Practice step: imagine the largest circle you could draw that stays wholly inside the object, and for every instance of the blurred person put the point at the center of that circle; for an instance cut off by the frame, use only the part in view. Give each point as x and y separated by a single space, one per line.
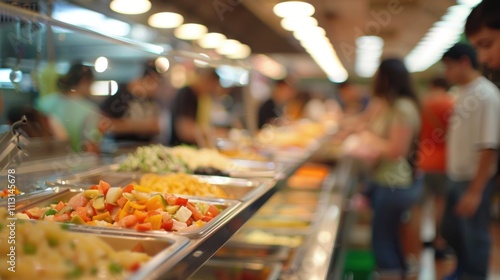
72 109
483 31
274 107
473 140
436 106
133 111
191 110
295 109
394 184
350 99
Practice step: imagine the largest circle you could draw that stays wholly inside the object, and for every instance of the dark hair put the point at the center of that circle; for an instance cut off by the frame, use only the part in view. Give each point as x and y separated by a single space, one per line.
150 69
460 51
76 73
483 15
440 82
393 81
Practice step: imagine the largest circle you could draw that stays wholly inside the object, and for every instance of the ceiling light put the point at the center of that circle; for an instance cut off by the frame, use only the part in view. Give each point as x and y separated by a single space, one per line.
162 64
439 38
368 52
104 88
242 52
229 47
470 3
165 20
130 7
211 40
293 9
101 64
305 34
295 23
190 31
269 67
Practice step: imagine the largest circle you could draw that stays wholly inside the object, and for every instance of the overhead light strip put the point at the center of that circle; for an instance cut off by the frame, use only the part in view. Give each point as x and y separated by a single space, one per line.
368 52
440 37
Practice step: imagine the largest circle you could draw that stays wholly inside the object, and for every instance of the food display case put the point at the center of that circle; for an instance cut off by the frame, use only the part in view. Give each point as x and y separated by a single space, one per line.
270 228
278 221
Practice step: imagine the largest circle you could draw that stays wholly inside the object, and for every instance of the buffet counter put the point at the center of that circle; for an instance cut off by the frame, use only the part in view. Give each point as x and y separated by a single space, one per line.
285 226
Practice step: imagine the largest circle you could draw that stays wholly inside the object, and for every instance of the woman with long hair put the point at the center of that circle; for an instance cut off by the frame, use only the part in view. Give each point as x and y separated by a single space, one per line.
391 138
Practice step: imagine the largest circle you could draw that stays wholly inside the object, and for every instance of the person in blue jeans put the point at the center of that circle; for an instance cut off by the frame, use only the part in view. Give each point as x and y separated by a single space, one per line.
473 140
392 140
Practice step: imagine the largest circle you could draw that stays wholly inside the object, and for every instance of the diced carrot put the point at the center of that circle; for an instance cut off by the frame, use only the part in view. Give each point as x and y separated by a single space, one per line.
153 213
110 207
196 214
207 218
128 221
181 201
59 206
82 212
61 217
104 186
167 225
143 227
212 211
121 201
154 203
140 215
139 248
189 221
128 189
94 187
135 266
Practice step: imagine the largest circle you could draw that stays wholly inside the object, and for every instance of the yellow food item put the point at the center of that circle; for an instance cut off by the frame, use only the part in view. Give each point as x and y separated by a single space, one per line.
46 251
181 184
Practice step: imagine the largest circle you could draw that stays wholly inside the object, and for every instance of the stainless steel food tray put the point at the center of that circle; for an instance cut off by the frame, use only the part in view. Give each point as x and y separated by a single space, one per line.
252 252
24 199
236 188
228 205
215 269
161 247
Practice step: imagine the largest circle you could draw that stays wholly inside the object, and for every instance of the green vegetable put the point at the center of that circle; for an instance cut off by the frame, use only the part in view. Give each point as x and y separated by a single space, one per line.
93 271
65 225
53 242
115 268
75 273
29 248
50 212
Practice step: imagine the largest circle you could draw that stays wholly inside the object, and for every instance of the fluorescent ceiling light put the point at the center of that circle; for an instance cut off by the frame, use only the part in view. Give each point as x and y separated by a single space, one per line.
470 3
101 88
229 47
101 64
243 52
91 20
443 35
211 40
130 7
368 53
293 9
162 64
165 20
295 23
190 31
309 33
269 67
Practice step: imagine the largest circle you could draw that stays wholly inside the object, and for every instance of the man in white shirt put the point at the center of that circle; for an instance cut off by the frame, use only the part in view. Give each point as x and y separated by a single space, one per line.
473 141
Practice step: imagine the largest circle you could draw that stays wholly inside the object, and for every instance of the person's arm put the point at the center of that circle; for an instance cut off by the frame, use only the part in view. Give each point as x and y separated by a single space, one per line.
395 146
468 204
125 126
187 129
